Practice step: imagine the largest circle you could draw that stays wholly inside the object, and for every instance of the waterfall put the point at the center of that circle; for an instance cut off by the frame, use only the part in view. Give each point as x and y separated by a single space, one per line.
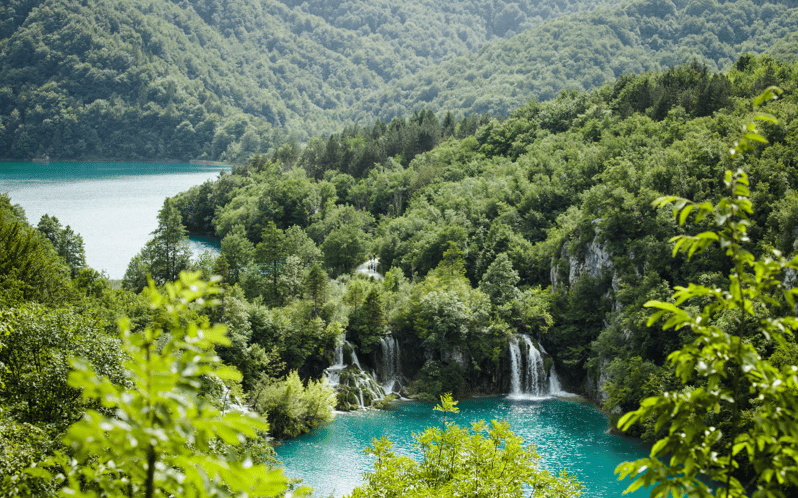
554 384
391 365
536 373
358 388
527 373
355 361
515 367
339 355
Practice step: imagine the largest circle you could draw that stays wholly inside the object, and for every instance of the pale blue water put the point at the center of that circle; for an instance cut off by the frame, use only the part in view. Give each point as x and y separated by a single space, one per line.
114 206
569 434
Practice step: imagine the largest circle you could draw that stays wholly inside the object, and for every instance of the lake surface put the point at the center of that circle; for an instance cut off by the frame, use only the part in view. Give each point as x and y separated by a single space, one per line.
569 434
113 206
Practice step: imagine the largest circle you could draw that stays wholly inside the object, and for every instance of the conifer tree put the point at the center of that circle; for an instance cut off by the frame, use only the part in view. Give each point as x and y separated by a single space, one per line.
270 253
171 251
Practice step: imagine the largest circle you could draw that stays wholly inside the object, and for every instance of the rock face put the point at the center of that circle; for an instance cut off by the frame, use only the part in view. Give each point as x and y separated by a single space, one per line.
595 260
592 260
595 388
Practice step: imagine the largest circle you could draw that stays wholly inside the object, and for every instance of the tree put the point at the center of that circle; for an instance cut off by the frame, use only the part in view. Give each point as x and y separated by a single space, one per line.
488 460
238 251
172 254
159 434
344 248
29 268
291 407
270 253
164 256
36 354
368 321
67 243
316 287
499 281
452 266
723 372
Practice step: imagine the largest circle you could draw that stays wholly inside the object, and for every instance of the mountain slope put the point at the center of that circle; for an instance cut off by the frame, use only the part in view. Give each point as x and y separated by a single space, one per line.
210 79
586 51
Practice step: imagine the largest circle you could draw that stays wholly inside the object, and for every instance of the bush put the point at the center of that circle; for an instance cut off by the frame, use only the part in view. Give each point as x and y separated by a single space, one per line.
451 458
291 408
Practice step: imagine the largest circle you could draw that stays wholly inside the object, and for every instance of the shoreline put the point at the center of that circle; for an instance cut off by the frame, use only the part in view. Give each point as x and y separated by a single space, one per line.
193 162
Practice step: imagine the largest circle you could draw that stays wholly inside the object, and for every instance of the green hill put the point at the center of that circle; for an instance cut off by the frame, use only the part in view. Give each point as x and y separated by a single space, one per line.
585 51
211 79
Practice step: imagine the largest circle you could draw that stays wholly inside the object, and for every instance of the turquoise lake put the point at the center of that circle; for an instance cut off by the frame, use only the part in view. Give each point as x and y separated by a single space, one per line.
568 433
113 206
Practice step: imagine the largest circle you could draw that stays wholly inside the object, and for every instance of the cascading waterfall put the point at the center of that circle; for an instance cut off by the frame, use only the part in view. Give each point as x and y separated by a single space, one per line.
391 365
527 372
535 372
355 361
356 388
333 372
555 389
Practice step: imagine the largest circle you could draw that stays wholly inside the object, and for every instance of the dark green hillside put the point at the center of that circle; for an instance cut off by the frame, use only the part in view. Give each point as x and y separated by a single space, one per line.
588 50
212 79
137 79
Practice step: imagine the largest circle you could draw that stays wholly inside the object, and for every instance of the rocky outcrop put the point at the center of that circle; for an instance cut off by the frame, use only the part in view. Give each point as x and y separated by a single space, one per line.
595 389
594 260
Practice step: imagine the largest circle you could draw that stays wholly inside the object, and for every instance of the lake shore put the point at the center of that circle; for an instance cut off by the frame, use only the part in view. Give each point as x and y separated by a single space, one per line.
196 162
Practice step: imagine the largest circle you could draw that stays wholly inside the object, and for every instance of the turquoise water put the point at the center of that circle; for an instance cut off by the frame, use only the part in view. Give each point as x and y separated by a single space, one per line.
568 434
113 206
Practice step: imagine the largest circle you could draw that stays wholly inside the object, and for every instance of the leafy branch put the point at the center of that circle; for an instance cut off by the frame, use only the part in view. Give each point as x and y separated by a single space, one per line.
728 366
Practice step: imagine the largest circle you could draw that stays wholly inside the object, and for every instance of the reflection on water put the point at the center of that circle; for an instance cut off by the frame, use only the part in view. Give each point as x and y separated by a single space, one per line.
113 206
568 434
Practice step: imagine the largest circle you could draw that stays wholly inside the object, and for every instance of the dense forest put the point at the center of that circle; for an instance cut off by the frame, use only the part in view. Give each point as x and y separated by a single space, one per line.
539 224
160 79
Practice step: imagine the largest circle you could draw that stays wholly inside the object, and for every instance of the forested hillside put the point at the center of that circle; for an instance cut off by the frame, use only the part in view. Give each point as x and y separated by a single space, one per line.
487 229
159 79
585 51
541 224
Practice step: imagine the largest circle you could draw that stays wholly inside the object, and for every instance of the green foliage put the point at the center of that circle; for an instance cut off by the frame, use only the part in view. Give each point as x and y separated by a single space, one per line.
435 379
163 85
499 281
238 251
367 322
164 256
36 353
23 445
270 254
158 432
589 49
291 407
67 243
344 249
316 287
722 370
29 268
451 458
